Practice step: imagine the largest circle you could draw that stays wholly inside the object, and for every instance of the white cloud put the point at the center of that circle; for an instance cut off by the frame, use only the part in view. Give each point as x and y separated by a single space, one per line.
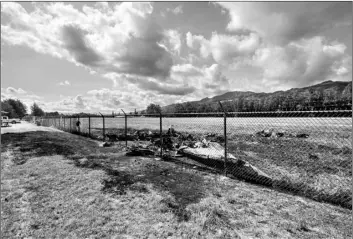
75 104
282 22
224 48
297 64
122 38
13 91
173 38
268 47
187 82
64 83
251 59
79 102
187 69
176 11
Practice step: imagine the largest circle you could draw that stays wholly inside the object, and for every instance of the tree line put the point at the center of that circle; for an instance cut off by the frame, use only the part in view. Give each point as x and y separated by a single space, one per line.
324 96
15 108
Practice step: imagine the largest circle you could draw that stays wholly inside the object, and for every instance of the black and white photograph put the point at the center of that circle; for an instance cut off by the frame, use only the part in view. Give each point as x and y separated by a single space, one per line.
176 120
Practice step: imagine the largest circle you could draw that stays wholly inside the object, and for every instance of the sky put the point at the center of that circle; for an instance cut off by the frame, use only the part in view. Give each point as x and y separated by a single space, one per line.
103 57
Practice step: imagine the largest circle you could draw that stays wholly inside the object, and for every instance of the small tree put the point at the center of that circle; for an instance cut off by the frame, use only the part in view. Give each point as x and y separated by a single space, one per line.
15 108
5 106
153 109
179 108
56 113
36 110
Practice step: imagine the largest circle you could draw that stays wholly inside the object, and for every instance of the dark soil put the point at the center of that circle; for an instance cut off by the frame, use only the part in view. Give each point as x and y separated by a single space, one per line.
124 173
184 187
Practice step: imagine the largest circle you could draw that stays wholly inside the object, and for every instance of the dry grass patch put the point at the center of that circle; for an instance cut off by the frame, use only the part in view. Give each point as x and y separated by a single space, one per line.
319 171
96 192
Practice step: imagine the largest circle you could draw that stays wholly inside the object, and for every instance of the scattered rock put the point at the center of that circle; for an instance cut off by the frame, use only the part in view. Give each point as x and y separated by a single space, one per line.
217 195
197 145
313 156
273 134
302 135
112 137
171 131
83 161
139 151
190 137
106 144
164 172
205 143
127 137
265 133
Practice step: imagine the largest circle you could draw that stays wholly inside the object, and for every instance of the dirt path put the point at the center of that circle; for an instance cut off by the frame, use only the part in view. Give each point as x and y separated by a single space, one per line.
26 127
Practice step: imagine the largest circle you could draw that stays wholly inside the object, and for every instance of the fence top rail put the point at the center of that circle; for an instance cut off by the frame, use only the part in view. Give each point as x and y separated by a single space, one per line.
294 112
207 114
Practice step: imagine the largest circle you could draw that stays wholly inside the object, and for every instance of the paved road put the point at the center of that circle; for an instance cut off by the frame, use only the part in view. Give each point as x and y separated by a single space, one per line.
25 127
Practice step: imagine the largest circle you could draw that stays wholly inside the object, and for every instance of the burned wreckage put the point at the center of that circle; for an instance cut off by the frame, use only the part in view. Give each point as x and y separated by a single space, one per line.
206 149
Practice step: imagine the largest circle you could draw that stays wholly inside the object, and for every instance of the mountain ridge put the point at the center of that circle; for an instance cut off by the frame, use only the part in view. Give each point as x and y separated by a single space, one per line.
324 95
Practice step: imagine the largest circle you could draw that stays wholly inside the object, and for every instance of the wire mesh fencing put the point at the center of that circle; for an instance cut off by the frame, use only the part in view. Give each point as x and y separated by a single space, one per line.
302 152
307 153
200 138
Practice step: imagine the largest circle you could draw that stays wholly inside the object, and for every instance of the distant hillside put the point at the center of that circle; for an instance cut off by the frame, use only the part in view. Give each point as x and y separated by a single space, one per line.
326 95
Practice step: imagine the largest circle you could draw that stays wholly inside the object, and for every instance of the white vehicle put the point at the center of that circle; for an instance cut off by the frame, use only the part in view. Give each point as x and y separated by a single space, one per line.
14 121
4 121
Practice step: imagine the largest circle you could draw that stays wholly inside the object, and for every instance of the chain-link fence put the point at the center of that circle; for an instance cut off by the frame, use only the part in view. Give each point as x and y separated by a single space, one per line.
303 152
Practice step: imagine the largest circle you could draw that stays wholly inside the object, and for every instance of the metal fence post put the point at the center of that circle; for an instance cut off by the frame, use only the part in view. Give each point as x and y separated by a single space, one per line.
89 126
103 126
79 128
225 137
125 127
225 144
160 132
70 124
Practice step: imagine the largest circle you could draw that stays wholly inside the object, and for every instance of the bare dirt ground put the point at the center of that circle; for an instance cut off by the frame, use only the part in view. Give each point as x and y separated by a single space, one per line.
59 185
26 127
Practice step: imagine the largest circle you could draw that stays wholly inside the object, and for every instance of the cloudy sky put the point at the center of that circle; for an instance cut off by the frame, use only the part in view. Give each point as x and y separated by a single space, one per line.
90 57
